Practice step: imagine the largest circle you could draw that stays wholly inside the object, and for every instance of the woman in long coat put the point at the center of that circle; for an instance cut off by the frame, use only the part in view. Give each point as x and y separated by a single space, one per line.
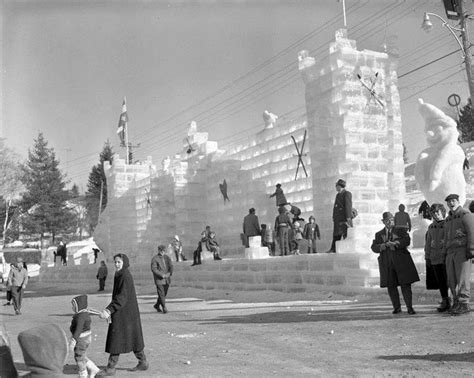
125 328
395 263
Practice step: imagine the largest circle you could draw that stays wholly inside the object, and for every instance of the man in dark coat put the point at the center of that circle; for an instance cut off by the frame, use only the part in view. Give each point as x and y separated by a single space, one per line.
395 263
251 226
280 196
162 268
125 327
341 214
459 246
62 252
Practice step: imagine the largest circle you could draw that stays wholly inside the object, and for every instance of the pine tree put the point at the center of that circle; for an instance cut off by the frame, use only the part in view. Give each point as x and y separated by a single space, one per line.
44 203
97 181
466 123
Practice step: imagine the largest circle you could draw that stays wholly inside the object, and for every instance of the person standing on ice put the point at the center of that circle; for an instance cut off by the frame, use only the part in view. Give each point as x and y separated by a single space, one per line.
251 226
280 196
342 214
282 226
402 218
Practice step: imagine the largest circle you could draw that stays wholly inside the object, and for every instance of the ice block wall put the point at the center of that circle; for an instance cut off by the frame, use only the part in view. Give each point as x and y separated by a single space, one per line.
270 155
123 223
354 137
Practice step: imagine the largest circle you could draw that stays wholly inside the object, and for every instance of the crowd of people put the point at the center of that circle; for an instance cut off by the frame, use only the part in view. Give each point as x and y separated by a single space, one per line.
449 249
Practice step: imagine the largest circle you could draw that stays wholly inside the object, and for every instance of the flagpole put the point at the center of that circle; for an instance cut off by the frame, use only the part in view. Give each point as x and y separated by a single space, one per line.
344 13
127 158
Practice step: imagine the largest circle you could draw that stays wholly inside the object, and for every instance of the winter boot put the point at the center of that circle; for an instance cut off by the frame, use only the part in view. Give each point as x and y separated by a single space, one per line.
142 362
463 308
92 368
454 307
445 305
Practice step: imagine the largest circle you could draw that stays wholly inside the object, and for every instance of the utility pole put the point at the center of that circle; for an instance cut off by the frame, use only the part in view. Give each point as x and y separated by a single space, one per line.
463 18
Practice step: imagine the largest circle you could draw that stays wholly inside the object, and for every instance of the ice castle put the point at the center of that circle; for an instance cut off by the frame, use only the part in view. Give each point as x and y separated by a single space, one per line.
353 127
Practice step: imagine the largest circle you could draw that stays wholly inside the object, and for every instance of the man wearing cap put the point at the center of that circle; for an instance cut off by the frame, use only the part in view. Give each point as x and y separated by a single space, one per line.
341 214
251 226
17 281
162 269
396 266
459 244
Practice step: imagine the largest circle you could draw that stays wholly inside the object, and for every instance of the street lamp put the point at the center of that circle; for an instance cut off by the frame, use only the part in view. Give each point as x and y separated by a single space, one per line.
427 25
463 43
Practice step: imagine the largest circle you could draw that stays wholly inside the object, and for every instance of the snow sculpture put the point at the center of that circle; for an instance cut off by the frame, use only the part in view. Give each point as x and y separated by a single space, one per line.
269 119
304 60
165 164
439 168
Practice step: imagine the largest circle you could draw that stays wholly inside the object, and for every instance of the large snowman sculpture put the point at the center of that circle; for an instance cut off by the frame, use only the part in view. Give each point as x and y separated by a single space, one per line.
439 168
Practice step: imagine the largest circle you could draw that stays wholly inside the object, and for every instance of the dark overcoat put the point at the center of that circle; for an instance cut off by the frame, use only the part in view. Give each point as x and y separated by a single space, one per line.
397 260
251 225
160 265
125 332
342 212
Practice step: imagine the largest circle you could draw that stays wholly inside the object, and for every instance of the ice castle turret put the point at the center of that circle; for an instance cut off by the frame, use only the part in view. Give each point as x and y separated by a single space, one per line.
355 133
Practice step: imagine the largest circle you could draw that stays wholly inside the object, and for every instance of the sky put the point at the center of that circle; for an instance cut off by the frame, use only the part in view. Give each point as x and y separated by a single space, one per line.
66 67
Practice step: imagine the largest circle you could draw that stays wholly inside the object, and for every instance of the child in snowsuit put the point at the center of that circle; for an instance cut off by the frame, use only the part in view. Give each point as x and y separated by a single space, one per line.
178 249
213 246
197 252
294 236
268 239
81 336
311 233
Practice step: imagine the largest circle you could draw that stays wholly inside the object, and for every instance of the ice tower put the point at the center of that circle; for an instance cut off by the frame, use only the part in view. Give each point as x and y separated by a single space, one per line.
354 126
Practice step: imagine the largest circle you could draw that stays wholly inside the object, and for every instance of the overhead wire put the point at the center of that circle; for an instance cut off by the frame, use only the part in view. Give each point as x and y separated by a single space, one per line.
367 20
324 45
215 119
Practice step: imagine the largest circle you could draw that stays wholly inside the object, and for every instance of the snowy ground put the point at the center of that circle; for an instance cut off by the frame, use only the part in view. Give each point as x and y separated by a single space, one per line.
268 334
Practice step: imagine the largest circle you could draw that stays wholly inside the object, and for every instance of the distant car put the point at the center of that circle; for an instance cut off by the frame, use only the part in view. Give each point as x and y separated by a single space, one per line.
31 256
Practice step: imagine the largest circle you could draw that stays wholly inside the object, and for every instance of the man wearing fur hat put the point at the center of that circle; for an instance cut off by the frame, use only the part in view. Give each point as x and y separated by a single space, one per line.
342 214
459 244
395 263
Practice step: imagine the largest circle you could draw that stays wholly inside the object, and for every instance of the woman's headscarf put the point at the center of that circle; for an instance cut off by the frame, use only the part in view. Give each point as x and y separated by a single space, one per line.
124 257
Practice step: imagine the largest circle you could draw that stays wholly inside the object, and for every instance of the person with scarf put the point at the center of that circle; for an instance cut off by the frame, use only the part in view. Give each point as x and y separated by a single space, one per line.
125 327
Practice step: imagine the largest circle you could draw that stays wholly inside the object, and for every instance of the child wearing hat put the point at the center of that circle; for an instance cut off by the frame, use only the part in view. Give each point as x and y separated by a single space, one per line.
81 336
178 249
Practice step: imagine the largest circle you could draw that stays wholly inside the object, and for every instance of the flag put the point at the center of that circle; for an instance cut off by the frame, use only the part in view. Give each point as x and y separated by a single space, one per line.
122 125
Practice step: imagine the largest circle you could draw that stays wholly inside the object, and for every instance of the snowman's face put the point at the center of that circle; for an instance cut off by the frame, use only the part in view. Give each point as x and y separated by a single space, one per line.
436 133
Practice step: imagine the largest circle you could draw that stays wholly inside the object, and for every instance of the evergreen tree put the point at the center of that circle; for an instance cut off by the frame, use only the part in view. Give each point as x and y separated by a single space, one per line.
466 123
96 182
44 203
